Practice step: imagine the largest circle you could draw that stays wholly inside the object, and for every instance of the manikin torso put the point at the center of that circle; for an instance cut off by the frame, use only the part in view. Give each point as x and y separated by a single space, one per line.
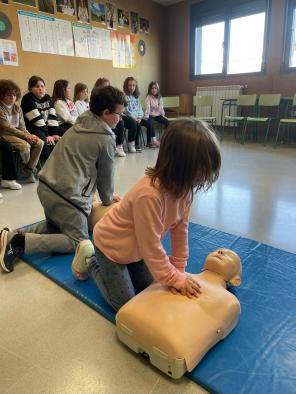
178 326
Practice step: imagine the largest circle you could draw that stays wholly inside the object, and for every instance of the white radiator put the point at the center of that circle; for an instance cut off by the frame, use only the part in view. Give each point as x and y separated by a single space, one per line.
219 93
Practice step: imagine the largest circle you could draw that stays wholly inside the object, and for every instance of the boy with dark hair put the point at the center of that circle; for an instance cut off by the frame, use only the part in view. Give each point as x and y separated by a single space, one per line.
81 163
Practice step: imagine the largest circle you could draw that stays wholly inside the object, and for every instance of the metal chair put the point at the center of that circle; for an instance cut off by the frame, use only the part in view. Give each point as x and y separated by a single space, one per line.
244 101
204 102
266 101
287 122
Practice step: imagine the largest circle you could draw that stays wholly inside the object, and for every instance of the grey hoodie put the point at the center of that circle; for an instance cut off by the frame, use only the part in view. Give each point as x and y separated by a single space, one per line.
82 161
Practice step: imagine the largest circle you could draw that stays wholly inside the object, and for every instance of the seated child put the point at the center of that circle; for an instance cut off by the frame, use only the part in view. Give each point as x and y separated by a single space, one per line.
40 115
134 114
13 130
154 110
81 98
65 108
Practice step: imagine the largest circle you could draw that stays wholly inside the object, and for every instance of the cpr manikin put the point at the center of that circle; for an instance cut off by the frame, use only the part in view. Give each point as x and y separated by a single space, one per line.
175 331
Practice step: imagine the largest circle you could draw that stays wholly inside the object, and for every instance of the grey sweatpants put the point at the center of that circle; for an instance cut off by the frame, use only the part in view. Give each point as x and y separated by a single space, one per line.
118 283
65 226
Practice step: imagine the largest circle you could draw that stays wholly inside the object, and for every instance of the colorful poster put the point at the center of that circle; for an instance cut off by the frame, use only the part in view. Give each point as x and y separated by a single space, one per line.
123 50
111 20
82 11
134 22
66 7
123 18
8 53
32 3
46 6
144 26
97 11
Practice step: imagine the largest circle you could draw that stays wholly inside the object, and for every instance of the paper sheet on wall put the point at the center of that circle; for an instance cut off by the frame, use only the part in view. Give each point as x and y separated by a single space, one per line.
45 34
81 33
92 42
100 44
64 37
28 24
123 50
8 53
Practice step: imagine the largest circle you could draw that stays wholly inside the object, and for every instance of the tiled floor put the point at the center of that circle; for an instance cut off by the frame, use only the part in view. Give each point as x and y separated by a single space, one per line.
52 343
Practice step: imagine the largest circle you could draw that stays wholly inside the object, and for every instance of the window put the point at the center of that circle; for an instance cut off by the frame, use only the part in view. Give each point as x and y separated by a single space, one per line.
228 37
289 61
246 44
209 41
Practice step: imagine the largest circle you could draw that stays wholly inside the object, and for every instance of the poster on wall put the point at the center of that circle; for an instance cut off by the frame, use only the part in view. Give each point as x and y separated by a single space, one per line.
123 50
8 53
134 22
64 37
45 34
80 34
46 6
111 20
101 47
144 26
82 11
123 18
97 11
66 7
31 3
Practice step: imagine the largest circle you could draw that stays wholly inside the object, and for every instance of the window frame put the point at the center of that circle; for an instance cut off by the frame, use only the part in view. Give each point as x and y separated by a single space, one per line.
227 17
290 6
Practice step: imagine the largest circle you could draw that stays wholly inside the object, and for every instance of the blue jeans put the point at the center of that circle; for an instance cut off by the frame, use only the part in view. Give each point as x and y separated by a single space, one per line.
118 283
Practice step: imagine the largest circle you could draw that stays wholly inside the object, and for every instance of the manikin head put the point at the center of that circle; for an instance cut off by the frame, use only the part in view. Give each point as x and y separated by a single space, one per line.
227 264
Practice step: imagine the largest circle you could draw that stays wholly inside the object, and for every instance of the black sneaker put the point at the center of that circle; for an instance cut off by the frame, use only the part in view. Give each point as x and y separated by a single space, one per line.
7 253
138 149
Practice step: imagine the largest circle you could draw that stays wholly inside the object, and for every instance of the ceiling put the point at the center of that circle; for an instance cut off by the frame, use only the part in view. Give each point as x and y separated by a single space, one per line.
167 2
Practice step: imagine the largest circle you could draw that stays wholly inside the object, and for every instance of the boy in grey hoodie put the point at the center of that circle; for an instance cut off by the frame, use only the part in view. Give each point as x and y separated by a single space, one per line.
81 163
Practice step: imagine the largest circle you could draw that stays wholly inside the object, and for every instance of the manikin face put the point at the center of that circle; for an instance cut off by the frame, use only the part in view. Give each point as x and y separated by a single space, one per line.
112 118
226 263
131 86
9 98
154 90
39 90
68 91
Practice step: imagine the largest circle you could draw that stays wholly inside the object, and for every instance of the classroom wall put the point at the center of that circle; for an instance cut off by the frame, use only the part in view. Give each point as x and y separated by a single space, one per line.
74 69
177 78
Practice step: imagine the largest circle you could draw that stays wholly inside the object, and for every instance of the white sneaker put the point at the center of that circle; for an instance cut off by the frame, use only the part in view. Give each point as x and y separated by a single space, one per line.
84 251
1 195
119 151
131 147
10 185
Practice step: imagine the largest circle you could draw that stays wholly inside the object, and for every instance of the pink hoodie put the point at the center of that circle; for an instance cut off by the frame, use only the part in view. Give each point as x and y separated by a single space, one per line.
134 228
153 106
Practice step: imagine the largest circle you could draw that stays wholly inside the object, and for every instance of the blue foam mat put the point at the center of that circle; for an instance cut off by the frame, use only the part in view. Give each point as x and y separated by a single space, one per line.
259 356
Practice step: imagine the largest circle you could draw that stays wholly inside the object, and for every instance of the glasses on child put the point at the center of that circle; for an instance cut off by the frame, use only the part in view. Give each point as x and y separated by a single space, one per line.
120 114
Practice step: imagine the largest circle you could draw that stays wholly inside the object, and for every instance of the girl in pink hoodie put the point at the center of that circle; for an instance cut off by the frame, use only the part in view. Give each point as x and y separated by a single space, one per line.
154 110
129 253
